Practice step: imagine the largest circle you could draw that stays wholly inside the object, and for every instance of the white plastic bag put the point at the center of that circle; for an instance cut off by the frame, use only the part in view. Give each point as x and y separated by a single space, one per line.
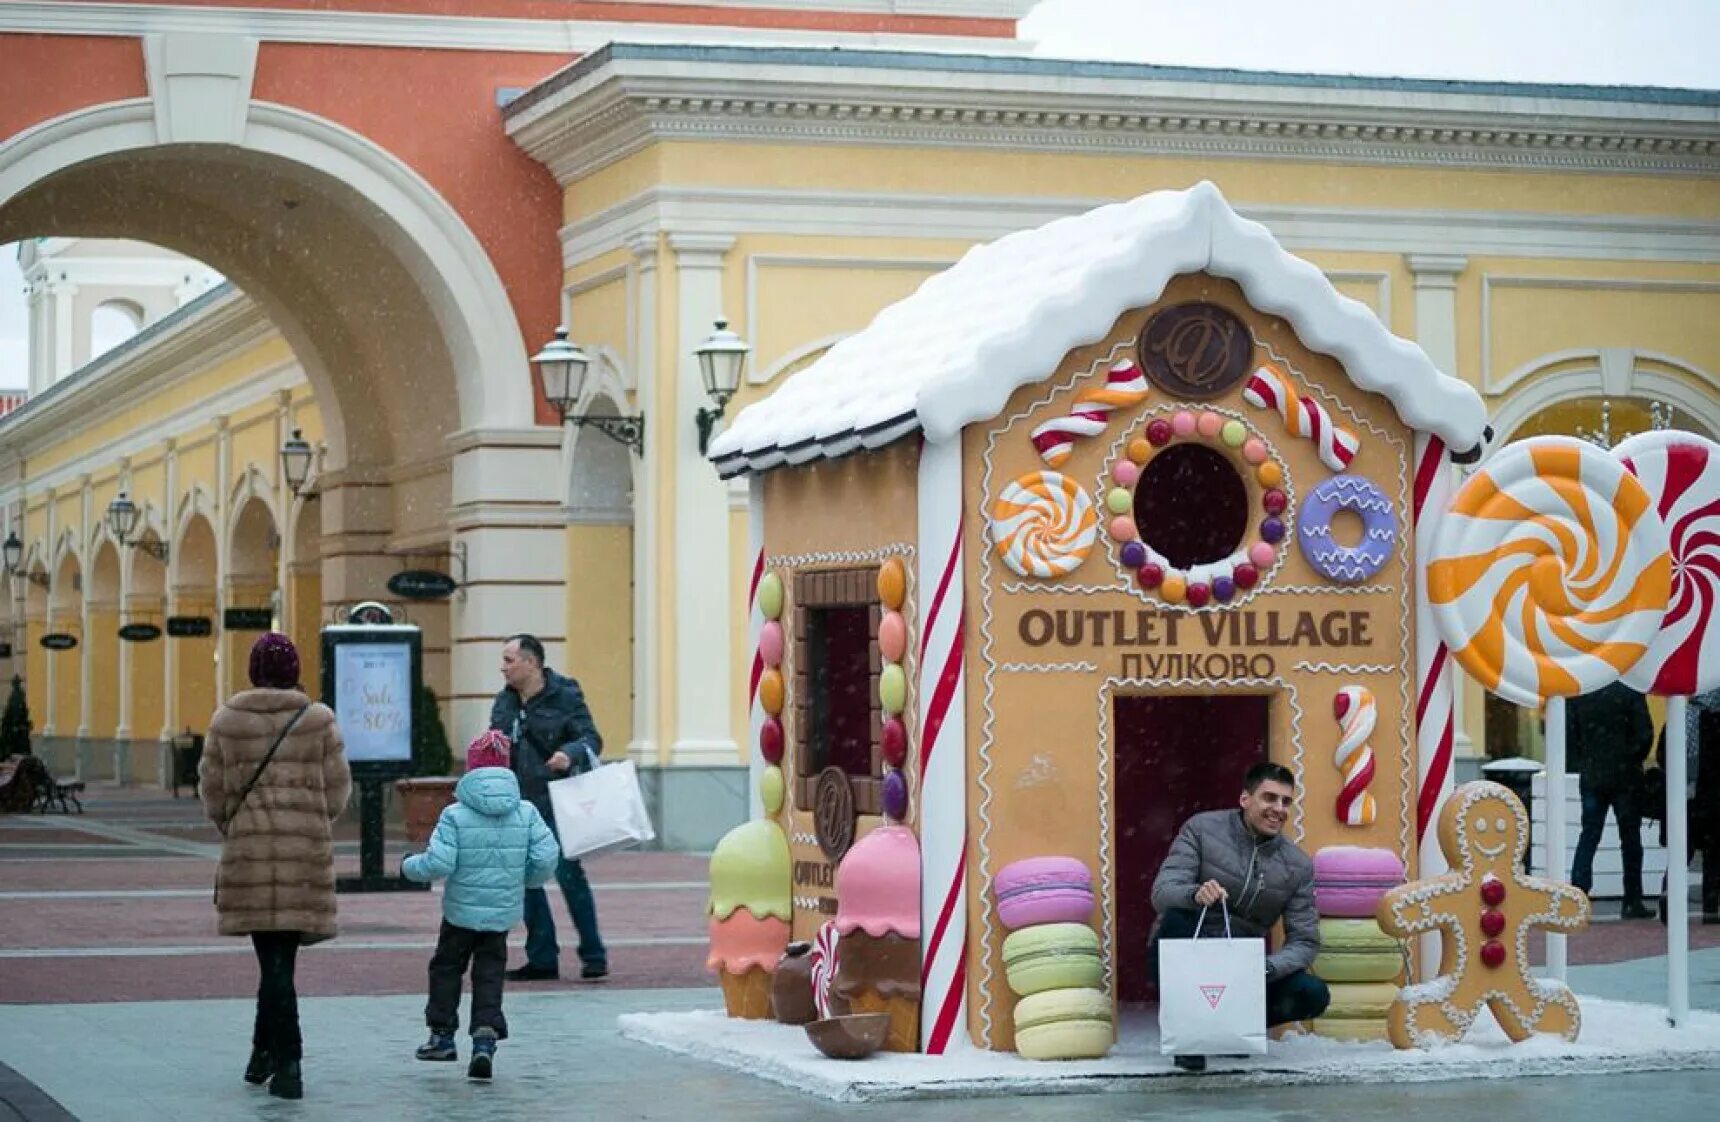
600 810
1212 995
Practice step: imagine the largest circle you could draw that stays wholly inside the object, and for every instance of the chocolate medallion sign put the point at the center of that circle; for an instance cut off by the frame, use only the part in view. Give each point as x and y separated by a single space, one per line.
59 641
1196 350
422 584
833 812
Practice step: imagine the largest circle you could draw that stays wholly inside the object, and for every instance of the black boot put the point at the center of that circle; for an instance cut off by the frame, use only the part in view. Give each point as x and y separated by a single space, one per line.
288 1083
262 1066
1635 909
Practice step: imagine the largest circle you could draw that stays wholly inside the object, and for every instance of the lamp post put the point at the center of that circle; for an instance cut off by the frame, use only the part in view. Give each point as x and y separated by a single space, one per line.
296 461
122 516
561 368
13 551
722 357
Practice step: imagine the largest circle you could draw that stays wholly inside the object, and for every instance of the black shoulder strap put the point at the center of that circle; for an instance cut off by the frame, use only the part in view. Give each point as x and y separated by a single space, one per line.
239 803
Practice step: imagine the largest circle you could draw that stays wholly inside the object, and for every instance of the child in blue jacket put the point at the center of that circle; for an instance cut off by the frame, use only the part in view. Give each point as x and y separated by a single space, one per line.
491 846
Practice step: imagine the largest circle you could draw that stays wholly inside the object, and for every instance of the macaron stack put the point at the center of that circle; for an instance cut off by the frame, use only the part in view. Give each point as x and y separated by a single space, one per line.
1052 960
1360 962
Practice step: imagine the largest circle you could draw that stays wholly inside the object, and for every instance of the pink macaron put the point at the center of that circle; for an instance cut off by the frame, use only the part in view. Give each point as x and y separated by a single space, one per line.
1044 890
1349 880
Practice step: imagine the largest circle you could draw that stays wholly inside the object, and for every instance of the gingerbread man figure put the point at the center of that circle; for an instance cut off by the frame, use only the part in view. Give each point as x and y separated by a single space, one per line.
1484 910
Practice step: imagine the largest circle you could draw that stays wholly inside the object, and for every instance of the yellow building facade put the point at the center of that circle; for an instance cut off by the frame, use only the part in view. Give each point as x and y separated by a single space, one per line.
1558 248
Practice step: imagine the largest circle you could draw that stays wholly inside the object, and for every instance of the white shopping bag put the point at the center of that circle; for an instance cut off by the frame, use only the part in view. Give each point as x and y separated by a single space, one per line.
1212 995
600 810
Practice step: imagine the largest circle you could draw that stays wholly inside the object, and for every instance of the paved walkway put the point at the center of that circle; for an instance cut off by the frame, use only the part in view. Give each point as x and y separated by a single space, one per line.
118 1001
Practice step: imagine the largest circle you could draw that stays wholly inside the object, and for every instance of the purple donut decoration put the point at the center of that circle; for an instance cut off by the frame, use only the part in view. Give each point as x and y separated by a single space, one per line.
895 796
1347 564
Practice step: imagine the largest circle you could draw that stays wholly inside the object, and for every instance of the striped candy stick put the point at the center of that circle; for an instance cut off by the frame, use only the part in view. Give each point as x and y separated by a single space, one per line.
1435 705
1270 388
1125 387
940 733
825 959
1354 707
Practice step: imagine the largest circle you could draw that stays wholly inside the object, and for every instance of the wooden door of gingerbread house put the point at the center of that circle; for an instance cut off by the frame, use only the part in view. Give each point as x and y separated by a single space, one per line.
1175 755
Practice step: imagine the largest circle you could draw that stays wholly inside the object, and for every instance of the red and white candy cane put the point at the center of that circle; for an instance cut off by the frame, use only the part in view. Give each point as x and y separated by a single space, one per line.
755 626
941 735
1435 701
824 963
1270 388
1354 707
1125 387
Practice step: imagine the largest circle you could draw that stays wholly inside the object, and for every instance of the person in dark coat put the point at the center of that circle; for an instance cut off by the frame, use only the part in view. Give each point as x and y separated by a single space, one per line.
275 814
1608 735
1702 792
545 717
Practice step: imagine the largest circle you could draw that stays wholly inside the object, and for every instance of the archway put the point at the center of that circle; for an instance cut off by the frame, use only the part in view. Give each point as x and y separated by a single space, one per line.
102 652
250 602
600 577
303 620
425 372
35 659
146 703
193 696
65 617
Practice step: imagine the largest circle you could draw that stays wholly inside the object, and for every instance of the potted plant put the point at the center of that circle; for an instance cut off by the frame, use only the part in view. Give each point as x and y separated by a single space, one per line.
423 797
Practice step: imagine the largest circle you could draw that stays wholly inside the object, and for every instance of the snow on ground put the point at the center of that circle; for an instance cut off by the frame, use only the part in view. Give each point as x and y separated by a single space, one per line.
1617 1037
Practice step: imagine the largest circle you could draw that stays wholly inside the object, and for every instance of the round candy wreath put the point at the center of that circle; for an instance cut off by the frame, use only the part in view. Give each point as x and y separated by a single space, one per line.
1210 582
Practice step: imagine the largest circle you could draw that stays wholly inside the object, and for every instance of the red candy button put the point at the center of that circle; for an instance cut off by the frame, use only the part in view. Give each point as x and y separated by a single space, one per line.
1198 595
1493 954
1275 501
894 738
1159 433
1492 923
770 740
1150 575
1492 892
1246 576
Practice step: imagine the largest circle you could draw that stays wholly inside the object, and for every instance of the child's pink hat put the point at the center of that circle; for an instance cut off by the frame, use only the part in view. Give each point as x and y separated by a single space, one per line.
490 750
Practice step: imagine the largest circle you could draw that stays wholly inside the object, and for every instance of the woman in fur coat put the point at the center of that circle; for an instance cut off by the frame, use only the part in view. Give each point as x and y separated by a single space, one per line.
276 881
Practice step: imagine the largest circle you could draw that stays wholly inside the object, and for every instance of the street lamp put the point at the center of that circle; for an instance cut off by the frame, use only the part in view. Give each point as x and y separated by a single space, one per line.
722 357
561 368
296 461
122 516
13 552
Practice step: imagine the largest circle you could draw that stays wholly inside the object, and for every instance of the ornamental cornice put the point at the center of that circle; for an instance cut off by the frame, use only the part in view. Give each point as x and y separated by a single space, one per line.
626 104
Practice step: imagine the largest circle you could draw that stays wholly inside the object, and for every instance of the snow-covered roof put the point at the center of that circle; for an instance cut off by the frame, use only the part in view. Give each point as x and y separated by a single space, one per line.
1005 315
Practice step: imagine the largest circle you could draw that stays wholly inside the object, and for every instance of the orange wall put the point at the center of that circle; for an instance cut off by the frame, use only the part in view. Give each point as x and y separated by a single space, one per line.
90 71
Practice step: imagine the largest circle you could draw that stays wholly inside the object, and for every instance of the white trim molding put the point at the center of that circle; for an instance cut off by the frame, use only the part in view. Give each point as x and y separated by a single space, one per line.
1617 372
1490 385
628 96
983 218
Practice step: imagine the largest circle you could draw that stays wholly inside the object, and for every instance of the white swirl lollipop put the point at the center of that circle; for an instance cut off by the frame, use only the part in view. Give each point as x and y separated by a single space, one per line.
1043 525
1550 572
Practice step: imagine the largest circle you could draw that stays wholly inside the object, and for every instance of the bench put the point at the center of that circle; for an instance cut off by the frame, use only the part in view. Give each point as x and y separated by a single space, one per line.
27 784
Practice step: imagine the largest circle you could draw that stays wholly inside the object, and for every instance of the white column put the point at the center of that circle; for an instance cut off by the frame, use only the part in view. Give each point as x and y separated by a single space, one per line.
1674 762
48 612
1435 279
508 512
122 724
84 668
62 301
704 586
1553 846
223 553
646 608
170 596
284 503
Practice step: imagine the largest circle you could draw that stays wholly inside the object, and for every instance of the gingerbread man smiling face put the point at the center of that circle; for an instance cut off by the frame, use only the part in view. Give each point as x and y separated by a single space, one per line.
1484 910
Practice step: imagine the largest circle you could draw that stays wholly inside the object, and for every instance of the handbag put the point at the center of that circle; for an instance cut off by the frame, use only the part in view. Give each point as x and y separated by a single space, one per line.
600 810
1651 794
245 792
1212 994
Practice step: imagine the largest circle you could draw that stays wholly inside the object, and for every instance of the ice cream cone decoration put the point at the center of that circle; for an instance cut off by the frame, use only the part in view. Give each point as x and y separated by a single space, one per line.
878 919
749 915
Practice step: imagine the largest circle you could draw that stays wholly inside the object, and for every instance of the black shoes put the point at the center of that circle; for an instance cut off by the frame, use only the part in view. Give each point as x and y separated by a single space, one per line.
262 1066
483 1054
1190 1063
288 1083
1635 909
440 1046
530 973
592 972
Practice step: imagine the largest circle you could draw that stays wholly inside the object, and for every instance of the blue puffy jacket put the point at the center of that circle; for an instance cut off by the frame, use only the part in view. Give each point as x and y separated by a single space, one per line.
490 845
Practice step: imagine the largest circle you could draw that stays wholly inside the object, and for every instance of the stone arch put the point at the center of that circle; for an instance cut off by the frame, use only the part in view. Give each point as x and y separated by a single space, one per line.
253 485
1572 375
101 638
112 322
196 669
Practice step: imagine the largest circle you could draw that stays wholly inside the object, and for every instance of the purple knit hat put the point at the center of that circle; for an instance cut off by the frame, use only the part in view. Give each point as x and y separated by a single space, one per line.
274 662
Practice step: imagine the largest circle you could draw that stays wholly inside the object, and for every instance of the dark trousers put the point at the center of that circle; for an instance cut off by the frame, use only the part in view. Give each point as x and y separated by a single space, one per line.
487 951
1624 808
1295 997
277 1027
541 947
1696 839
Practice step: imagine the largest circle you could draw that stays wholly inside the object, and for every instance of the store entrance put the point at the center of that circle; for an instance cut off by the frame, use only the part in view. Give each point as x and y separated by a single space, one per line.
1173 756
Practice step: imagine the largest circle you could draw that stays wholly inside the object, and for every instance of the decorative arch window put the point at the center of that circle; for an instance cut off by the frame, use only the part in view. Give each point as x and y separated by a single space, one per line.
112 323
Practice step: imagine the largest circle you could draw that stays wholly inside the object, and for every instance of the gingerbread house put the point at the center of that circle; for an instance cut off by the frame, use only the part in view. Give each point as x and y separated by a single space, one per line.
1059 544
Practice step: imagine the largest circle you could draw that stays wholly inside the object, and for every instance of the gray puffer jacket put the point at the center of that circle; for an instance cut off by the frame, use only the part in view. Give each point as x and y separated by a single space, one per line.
1267 878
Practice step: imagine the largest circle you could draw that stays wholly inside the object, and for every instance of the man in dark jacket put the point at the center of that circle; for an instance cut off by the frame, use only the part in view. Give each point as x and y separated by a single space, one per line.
553 735
1242 858
1608 735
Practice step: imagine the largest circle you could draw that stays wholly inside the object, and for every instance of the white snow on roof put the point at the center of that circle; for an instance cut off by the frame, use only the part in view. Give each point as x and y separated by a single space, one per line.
1005 315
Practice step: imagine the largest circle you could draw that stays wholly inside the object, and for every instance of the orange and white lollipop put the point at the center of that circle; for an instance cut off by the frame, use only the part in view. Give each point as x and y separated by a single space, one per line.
1043 525
1550 572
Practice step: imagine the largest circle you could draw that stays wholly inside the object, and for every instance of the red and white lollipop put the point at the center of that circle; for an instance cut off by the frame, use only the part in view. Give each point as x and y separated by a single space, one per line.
1681 473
